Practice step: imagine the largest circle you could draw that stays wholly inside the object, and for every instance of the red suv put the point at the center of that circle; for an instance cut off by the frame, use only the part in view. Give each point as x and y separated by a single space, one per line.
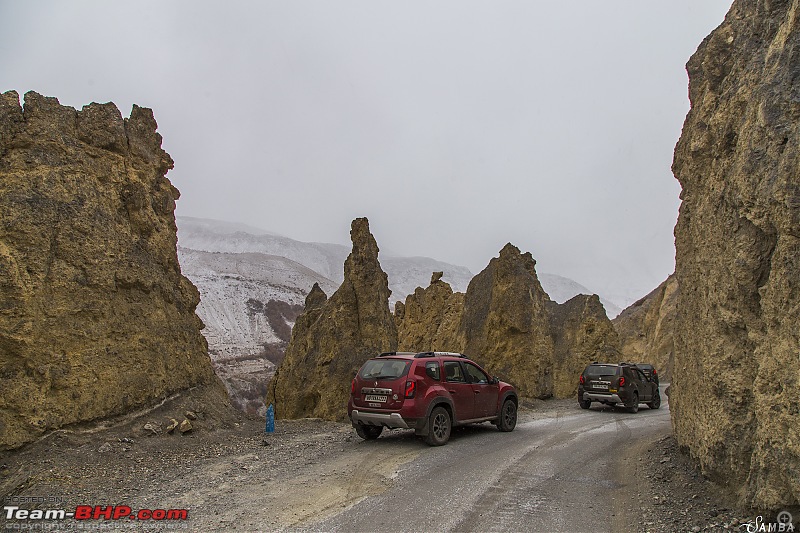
429 392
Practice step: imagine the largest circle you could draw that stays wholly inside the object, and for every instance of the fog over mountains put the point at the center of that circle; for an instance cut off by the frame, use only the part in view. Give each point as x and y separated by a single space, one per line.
405 273
309 262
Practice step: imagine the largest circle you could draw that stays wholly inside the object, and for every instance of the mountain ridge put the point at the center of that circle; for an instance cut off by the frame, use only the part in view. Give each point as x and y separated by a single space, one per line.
326 259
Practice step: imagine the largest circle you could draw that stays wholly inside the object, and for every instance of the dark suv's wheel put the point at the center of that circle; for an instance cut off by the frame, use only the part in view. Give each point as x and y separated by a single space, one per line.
585 404
368 432
656 403
439 425
508 416
633 407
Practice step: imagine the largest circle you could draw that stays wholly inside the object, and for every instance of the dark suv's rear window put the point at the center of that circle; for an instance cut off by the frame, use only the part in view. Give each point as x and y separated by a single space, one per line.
601 370
384 369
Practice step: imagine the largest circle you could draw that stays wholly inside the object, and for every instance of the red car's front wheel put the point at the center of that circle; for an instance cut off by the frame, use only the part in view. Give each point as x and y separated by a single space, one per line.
508 416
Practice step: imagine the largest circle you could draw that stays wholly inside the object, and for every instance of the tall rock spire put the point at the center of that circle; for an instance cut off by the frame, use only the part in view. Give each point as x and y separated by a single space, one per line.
333 337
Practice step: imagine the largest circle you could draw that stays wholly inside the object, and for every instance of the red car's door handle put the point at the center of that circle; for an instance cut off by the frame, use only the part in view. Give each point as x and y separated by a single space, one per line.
451 391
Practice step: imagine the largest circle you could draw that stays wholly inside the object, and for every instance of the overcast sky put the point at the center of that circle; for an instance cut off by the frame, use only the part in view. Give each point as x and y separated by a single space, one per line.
454 126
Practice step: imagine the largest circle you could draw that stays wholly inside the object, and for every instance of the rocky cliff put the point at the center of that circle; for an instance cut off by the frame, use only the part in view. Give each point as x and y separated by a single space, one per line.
333 337
430 319
506 323
95 316
581 333
735 402
646 328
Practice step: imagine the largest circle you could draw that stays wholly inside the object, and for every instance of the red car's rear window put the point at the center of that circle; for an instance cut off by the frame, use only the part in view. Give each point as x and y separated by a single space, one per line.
384 368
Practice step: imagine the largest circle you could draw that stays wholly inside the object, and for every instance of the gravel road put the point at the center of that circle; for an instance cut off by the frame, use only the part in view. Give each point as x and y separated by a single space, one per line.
571 472
561 469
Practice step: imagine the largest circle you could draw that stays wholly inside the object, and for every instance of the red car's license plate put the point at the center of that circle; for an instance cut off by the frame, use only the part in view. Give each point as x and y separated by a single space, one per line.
374 398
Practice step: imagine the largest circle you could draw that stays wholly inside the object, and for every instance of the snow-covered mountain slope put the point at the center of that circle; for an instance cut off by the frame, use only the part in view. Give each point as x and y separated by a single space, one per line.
222 226
219 236
233 289
561 289
405 273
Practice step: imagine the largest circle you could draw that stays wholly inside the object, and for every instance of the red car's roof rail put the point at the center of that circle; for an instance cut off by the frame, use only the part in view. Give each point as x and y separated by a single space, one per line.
435 354
386 354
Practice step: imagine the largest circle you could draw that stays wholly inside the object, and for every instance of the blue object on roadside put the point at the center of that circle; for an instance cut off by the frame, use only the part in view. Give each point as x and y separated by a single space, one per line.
270 419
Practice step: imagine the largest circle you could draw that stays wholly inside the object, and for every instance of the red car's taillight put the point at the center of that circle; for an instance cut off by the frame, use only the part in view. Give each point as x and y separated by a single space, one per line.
352 388
411 388
622 382
582 380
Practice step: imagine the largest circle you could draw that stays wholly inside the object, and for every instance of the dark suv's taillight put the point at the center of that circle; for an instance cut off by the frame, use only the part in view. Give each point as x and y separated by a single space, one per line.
411 388
582 380
622 381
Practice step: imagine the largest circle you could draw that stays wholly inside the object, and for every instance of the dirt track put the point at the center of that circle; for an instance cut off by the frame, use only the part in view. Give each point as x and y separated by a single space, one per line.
235 477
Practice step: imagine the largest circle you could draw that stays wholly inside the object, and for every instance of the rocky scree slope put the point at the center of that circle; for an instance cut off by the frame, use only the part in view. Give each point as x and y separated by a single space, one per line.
95 316
738 256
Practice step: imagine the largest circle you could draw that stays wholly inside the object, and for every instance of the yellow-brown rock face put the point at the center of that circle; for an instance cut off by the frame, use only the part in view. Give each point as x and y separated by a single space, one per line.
506 324
735 401
646 328
582 333
333 337
430 319
95 316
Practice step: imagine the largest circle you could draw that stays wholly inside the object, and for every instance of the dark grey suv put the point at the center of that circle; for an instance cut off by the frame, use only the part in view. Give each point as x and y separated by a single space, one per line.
613 384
